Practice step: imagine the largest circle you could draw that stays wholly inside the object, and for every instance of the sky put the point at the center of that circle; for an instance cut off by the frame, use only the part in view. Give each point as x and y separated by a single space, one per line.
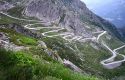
96 3
111 10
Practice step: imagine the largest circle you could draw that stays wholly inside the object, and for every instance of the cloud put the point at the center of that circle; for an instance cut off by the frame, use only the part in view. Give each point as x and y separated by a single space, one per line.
109 19
119 18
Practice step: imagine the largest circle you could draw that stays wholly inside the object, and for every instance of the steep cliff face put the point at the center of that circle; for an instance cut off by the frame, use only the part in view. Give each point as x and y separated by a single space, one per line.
71 14
58 12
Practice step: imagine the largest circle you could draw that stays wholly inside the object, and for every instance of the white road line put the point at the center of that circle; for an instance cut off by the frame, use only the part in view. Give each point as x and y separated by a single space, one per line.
101 35
19 18
52 31
119 48
98 32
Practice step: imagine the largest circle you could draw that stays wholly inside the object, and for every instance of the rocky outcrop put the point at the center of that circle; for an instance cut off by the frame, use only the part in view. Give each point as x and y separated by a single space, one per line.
72 66
6 44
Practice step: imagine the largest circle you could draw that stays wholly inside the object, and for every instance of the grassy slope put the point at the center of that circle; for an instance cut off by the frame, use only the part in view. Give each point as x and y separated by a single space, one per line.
113 42
22 66
90 56
33 64
19 39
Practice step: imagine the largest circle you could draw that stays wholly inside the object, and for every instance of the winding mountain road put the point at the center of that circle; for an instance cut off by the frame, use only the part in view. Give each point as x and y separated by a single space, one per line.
108 63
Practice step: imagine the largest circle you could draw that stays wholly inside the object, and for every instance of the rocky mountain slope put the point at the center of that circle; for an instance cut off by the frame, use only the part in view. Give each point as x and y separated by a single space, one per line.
110 10
71 14
49 36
